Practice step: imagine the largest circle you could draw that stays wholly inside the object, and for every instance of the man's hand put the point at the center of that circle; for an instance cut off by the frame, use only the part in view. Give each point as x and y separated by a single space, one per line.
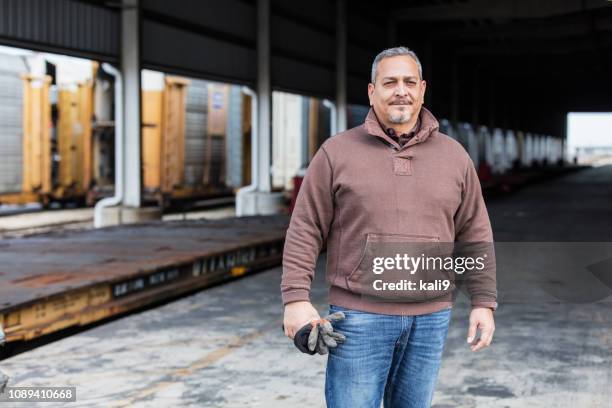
297 314
481 318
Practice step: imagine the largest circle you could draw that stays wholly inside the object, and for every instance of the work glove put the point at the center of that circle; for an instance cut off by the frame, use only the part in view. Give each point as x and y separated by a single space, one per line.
318 335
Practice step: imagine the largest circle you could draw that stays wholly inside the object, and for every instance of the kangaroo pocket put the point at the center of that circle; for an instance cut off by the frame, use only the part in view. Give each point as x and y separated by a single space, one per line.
402 268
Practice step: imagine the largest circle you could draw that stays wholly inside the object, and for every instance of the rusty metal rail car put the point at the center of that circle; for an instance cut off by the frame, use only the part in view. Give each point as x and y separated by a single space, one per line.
60 280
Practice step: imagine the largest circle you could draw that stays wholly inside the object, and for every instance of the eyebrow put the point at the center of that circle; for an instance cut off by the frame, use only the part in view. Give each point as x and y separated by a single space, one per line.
395 78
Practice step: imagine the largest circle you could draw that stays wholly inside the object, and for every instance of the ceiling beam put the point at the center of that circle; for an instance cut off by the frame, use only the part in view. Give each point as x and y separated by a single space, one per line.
561 46
568 26
498 9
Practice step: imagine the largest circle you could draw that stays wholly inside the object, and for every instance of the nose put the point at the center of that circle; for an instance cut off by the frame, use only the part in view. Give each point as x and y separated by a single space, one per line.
401 89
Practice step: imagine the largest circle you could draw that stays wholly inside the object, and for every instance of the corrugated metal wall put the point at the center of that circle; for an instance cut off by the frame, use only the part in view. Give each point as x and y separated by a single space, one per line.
69 26
195 131
215 172
205 38
11 105
228 153
217 40
234 143
303 46
214 39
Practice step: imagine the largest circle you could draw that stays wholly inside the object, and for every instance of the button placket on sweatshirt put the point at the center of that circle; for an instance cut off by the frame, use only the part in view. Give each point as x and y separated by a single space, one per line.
402 159
402 155
402 165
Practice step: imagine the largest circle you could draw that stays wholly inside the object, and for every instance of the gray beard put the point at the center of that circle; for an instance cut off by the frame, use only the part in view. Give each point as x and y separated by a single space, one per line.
398 118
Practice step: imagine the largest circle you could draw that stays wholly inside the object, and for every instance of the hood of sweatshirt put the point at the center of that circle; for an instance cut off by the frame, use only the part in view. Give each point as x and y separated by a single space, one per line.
428 125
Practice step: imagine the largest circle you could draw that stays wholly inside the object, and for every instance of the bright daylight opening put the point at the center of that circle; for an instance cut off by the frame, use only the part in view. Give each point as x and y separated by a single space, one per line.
589 138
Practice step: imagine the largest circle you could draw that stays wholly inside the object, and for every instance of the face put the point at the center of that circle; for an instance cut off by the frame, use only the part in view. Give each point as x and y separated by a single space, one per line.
398 91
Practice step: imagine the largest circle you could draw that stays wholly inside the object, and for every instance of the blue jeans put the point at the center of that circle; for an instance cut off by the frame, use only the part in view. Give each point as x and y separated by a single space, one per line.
395 358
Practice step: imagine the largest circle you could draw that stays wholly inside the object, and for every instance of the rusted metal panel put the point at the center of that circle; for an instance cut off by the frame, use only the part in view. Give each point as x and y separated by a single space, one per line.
60 280
151 138
196 116
74 140
163 136
18 198
173 133
184 157
214 170
36 137
85 101
57 312
68 137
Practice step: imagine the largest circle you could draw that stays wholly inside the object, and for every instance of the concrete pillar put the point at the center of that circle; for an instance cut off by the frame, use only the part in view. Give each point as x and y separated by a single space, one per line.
341 65
130 67
259 199
264 93
128 111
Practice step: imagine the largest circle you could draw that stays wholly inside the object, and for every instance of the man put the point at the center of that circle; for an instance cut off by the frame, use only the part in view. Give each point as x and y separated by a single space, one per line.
396 177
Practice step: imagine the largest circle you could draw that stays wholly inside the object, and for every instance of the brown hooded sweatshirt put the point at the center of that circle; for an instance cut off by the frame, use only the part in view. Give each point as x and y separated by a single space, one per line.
362 187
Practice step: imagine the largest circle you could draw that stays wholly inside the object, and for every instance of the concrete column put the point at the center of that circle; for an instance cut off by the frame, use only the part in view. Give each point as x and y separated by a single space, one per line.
130 67
341 65
259 199
264 93
127 133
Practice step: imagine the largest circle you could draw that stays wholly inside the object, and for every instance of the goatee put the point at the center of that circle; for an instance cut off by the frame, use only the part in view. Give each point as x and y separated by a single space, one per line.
398 118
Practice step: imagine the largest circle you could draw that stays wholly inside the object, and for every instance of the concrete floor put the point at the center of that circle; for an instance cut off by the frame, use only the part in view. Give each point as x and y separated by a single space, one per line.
42 221
224 347
19 225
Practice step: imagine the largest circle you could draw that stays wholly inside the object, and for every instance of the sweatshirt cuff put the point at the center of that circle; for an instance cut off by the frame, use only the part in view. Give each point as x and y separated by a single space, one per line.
295 295
491 304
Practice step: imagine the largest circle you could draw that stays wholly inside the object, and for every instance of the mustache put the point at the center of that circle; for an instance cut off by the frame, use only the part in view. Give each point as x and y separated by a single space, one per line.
402 102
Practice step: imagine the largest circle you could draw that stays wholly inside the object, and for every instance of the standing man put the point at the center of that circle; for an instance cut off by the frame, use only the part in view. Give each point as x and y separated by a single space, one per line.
395 178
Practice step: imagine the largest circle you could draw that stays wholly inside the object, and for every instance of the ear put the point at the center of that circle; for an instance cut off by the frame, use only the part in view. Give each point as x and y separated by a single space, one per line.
370 92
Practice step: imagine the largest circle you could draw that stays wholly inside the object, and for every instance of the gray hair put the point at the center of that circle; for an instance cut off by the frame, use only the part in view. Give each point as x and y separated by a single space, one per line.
395 52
